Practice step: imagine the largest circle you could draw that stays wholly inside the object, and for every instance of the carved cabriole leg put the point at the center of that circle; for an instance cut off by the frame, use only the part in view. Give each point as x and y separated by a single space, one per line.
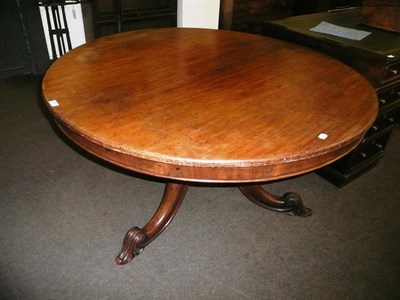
136 239
290 203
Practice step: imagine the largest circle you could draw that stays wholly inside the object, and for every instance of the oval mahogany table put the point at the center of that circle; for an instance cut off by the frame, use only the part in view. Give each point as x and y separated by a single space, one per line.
198 105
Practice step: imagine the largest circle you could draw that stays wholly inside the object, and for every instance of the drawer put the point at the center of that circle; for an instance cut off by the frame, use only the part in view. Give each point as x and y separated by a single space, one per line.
389 99
382 122
392 72
367 151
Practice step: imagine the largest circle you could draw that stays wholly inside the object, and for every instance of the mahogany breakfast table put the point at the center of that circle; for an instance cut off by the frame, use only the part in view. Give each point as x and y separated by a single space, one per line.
209 106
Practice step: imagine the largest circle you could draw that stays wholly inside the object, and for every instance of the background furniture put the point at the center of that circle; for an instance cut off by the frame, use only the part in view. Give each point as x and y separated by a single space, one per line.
23 50
246 15
377 57
112 16
57 25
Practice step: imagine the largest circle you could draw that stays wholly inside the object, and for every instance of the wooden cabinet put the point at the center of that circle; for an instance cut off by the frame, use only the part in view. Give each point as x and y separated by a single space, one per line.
377 57
245 15
23 50
112 16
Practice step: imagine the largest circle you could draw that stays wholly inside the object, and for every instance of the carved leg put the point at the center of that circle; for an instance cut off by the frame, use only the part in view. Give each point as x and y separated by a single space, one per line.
290 203
136 239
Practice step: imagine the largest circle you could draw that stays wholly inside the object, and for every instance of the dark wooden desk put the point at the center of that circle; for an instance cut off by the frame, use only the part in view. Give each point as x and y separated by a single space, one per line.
186 105
376 57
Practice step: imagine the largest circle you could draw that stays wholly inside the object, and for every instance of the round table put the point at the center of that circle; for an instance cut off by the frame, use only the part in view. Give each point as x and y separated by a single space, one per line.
210 106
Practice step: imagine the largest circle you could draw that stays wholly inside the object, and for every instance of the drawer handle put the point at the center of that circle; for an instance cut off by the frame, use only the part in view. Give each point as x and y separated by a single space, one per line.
391 119
394 71
363 154
383 101
375 128
379 146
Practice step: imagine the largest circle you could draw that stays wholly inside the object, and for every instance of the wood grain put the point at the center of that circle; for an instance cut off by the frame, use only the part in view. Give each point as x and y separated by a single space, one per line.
208 105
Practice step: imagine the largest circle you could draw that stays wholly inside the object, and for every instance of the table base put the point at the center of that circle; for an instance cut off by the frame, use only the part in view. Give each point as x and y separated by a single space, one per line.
136 239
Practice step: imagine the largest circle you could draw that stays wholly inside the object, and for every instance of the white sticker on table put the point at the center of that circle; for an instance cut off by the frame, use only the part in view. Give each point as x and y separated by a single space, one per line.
53 103
322 136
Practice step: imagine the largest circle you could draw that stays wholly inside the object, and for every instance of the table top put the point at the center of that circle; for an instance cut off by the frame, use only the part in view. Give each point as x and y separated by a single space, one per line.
208 105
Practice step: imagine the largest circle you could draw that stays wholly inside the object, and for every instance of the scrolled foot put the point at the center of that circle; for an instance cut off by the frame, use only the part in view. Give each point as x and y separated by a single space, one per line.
131 246
136 239
290 203
293 200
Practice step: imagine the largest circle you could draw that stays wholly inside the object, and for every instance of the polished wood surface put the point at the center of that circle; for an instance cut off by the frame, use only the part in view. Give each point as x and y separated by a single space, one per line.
208 105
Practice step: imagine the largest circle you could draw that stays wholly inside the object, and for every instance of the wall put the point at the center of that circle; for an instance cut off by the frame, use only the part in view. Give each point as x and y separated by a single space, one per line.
198 13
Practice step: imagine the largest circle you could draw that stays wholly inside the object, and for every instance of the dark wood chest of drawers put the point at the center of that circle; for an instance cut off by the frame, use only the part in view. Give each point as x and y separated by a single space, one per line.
377 57
246 15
